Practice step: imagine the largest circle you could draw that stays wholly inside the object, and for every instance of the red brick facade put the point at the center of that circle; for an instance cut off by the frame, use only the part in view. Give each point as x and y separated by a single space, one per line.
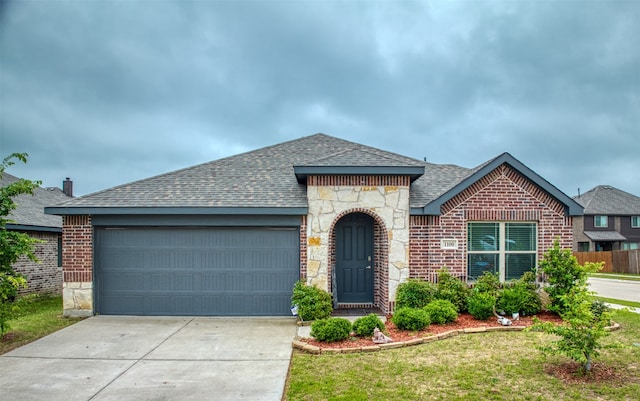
502 195
77 249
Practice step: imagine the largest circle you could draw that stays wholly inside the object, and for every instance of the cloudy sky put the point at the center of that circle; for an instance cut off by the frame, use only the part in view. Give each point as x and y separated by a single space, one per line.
108 92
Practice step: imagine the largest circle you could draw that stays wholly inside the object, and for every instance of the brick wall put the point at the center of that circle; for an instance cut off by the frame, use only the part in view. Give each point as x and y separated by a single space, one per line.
502 195
77 249
44 277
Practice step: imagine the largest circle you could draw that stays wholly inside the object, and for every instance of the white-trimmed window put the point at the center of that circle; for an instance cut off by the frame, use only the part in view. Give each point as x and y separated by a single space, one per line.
600 221
635 221
508 248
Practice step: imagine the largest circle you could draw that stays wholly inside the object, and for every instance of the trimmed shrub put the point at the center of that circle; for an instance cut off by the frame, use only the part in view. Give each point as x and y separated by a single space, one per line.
509 301
598 308
452 289
488 283
332 329
411 319
363 326
441 311
415 293
313 303
531 303
481 305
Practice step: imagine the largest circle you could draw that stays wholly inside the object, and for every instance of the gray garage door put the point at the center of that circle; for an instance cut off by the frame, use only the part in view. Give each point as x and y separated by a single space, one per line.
195 271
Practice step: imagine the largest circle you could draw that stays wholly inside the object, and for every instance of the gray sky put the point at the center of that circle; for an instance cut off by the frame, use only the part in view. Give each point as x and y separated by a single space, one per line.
108 92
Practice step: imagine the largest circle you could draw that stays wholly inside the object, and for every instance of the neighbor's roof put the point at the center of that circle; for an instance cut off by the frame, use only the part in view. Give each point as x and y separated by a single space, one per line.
605 236
271 180
607 200
29 212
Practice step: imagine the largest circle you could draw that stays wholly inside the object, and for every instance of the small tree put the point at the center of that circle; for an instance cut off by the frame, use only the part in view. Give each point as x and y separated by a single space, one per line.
563 273
582 329
13 244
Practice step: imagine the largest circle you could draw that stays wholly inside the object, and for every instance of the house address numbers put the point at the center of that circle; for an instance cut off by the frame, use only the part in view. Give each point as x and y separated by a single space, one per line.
448 244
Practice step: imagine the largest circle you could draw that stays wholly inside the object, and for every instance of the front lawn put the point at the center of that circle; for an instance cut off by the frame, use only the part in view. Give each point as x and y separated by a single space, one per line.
499 365
41 315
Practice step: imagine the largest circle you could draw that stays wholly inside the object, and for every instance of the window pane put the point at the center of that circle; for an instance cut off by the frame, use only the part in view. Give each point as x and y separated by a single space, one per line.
520 237
483 236
600 221
519 263
635 221
480 263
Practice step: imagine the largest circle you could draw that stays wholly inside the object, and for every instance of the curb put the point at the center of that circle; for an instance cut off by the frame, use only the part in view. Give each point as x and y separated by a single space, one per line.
312 349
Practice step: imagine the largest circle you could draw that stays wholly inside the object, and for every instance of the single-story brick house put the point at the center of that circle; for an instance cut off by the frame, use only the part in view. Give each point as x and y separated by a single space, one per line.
44 277
232 236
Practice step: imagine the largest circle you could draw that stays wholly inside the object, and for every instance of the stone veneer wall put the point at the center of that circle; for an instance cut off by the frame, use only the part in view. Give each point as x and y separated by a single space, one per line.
502 195
386 199
77 263
44 276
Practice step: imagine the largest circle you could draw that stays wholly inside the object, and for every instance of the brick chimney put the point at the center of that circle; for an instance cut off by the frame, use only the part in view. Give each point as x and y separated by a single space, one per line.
67 187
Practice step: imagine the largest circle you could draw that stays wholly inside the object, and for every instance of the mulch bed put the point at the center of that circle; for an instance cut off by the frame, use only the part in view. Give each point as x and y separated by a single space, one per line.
462 322
571 372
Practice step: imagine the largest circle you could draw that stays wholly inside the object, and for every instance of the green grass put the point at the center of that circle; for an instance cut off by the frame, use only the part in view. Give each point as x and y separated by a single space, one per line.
487 366
619 302
617 276
40 316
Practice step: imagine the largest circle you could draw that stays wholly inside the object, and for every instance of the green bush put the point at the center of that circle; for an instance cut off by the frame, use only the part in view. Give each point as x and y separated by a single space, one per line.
481 305
331 329
598 308
510 300
415 293
364 326
313 303
564 273
452 289
441 311
411 319
531 303
488 283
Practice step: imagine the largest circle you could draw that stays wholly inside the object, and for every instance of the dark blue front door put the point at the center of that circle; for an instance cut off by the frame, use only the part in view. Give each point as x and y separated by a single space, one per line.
354 259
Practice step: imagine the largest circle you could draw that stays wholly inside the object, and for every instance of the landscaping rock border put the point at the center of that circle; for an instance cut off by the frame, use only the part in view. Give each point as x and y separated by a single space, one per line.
312 349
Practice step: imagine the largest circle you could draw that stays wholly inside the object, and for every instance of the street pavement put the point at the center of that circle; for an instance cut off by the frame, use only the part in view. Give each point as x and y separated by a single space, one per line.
617 289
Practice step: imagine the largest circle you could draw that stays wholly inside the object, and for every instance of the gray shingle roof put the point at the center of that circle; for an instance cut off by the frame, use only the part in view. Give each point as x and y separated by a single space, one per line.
607 200
261 178
266 178
605 236
30 208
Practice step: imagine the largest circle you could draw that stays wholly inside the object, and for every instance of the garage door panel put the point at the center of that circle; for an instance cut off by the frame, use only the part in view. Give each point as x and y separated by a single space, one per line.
195 271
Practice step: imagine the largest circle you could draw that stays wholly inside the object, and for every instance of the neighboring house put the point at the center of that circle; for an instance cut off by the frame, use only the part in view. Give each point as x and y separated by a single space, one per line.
232 236
611 220
29 217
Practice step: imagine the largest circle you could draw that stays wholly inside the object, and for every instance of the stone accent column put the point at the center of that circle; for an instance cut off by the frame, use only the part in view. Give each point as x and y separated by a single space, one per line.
388 204
77 265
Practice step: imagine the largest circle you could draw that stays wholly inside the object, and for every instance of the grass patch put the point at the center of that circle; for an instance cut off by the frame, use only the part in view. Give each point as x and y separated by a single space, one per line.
617 276
619 302
494 366
41 315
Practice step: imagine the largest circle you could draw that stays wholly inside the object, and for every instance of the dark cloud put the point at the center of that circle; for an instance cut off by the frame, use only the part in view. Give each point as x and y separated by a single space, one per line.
109 92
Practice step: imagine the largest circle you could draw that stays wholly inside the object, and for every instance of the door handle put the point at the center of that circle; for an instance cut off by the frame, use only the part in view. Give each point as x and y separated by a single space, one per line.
368 267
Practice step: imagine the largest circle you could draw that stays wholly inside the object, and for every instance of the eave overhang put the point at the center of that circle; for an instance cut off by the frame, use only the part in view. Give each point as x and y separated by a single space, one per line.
433 208
26 227
302 172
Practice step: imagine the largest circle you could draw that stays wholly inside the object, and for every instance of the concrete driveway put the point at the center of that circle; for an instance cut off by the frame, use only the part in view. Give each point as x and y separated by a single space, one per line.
153 358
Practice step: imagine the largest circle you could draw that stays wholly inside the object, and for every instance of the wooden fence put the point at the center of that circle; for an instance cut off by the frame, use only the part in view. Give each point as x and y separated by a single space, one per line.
614 261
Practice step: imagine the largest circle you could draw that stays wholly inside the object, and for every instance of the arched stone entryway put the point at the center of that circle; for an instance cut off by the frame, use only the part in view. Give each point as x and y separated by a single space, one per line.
358 259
